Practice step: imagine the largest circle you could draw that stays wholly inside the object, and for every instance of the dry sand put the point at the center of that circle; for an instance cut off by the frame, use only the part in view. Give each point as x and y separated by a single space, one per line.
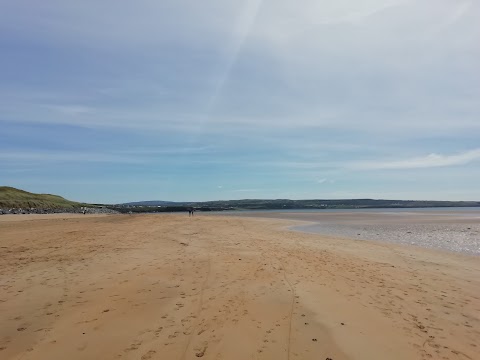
174 287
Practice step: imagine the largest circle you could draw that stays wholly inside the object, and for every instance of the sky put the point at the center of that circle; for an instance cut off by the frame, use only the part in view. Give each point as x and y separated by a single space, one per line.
184 100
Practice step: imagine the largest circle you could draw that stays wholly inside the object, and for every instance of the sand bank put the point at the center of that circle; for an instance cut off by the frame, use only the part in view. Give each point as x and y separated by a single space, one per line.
456 230
174 287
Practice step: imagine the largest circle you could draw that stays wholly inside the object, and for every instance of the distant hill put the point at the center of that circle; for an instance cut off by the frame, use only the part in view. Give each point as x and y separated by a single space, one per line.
274 204
16 198
150 203
259 204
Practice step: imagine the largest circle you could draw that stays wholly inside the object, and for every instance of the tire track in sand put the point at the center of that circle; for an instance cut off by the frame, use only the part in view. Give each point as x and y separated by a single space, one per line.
292 288
199 309
292 305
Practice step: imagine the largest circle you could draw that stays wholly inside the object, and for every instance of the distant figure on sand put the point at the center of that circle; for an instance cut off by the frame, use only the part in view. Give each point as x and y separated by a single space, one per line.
190 212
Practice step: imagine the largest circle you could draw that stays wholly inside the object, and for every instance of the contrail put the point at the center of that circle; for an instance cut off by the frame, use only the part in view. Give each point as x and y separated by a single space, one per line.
246 21
241 32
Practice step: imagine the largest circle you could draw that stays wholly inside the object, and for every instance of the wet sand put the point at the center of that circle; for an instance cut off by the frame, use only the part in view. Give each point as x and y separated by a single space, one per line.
455 230
212 287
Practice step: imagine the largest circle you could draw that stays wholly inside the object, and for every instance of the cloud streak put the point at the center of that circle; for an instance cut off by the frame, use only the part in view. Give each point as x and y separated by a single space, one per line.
42 157
430 161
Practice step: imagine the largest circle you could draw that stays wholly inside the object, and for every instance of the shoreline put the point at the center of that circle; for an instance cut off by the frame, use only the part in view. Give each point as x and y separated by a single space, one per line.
304 228
131 287
453 232
289 225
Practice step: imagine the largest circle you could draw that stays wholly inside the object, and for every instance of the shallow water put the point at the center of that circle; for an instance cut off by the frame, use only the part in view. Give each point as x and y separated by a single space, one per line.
451 229
461 238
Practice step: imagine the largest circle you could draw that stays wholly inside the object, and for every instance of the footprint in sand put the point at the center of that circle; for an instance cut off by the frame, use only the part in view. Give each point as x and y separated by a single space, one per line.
133 346
201 353
148 355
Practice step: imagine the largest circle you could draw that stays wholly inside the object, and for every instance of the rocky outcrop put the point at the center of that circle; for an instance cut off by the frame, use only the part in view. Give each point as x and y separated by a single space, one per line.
79 210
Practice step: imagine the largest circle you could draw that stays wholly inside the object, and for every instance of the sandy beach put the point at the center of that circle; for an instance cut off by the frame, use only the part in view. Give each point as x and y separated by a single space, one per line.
214 287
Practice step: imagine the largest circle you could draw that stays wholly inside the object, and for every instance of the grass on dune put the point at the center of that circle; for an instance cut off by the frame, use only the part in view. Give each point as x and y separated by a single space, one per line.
15 198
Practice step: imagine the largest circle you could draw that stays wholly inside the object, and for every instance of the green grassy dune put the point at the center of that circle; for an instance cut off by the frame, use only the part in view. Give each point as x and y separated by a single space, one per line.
15 198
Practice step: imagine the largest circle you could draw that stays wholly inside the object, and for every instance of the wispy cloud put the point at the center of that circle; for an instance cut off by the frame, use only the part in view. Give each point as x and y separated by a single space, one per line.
429 161
172 150
455 15
41 157
358 16
70 109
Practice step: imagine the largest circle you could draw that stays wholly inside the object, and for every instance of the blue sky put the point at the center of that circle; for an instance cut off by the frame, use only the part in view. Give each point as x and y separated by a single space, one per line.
114 101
